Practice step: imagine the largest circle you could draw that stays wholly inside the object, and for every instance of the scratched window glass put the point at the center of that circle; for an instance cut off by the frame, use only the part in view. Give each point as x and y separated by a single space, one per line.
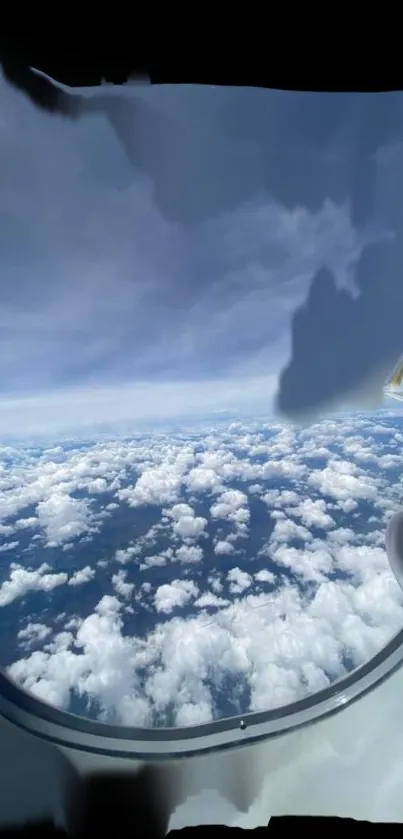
200 444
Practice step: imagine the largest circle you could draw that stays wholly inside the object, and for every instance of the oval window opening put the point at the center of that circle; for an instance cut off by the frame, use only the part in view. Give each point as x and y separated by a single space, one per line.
192 514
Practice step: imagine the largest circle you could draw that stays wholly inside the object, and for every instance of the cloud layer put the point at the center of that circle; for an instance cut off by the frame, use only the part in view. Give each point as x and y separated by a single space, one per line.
199 573
168 236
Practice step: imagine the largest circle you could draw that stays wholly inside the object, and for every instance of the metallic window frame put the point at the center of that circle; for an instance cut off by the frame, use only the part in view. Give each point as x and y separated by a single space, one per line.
156 744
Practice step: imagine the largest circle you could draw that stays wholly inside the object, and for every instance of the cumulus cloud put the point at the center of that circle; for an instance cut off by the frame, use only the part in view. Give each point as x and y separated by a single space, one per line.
210 599
21 581
153 561
83 575
312 565
222 548
309 596
189 553
232 505
6 530
238 580
24 524
123 588
158 485
33 633
124 556
186 524
312 513
278 498
176 594
343 481
265 576
286 529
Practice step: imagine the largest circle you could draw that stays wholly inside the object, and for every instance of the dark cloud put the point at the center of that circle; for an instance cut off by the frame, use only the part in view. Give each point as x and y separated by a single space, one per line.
171 233
342 344
306 147
216 151
216 147
329 358
299 148
220 147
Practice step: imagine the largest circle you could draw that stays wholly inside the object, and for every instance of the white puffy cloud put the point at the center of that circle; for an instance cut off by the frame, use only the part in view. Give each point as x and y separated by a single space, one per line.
347 505
286 529
265 576
313 513
255 489
6 529
232 505
201 479
239 580
102 668
279 498
124 556
22 581
97 485
33 633
223 548
186 524
210 599
342 480
160 484
122 588
189 527
73 623
302 621
23 524
298 644
178 511
342 535
313 565
216 584
83 575
158 560
63 517
178 593
189 554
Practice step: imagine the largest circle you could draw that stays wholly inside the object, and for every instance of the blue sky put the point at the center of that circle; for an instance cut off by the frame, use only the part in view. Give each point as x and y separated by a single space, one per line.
189 250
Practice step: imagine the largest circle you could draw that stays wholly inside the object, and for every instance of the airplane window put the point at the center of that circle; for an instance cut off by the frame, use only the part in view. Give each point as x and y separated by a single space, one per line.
197 459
